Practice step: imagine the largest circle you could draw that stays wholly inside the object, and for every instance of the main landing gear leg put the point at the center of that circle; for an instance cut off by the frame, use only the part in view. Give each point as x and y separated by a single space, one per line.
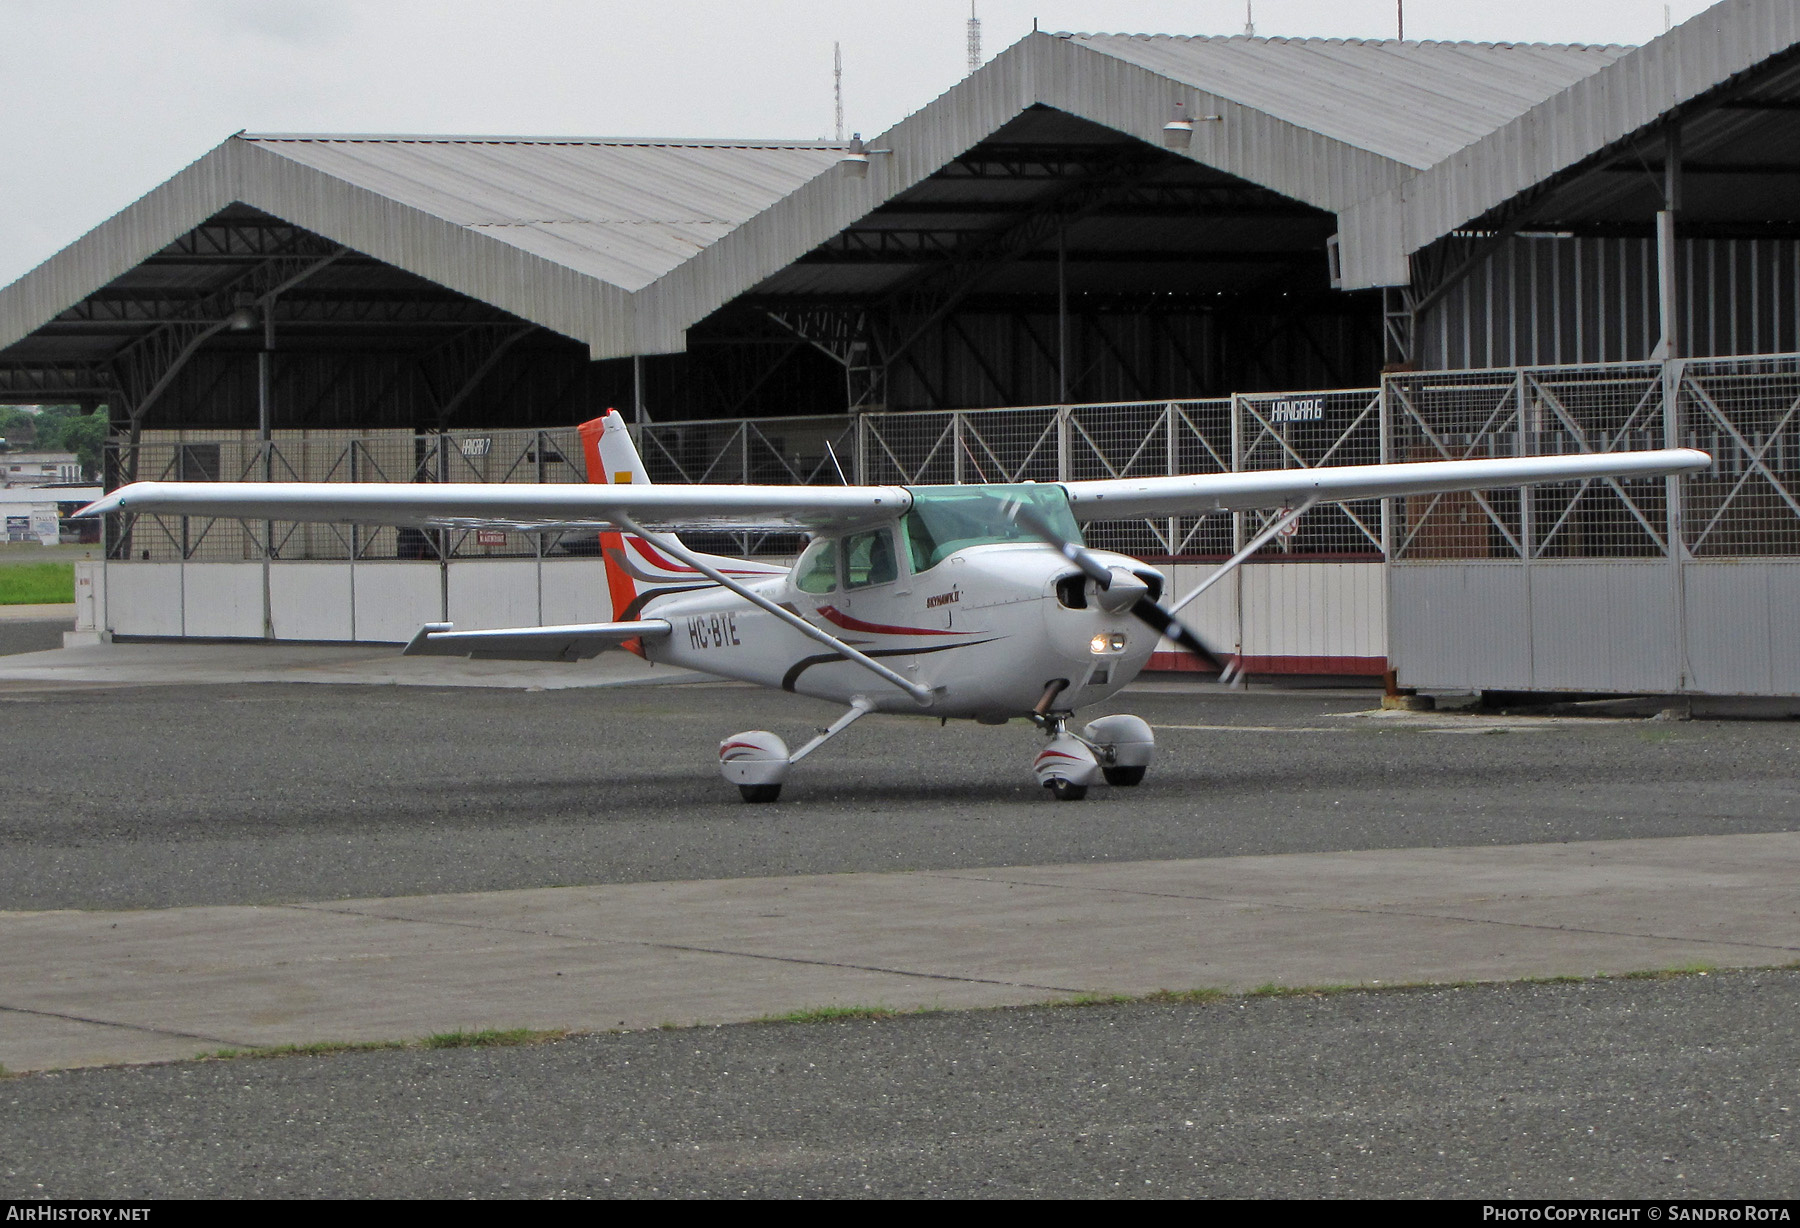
757 761
1116 748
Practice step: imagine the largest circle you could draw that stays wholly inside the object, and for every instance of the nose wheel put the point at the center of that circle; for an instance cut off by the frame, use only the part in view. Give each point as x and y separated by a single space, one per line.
1116 749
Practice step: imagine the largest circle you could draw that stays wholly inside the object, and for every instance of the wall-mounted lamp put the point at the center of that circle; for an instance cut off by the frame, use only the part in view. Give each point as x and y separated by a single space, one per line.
855 162
1178 133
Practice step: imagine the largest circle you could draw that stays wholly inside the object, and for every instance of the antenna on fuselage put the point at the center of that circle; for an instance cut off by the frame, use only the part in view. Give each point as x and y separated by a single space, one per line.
832 453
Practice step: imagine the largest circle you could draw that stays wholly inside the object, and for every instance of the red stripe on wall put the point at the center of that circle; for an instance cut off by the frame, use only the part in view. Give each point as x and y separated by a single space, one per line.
1349 667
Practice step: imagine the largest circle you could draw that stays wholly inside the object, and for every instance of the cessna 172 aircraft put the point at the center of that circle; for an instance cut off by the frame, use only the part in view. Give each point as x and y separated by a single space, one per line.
973 602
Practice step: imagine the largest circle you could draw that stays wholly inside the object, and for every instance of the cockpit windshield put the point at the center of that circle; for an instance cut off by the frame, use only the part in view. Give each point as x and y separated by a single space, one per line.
944 519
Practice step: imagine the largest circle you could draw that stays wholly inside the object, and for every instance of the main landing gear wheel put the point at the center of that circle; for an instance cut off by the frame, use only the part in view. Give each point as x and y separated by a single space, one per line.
1124 775
760 793
1064 791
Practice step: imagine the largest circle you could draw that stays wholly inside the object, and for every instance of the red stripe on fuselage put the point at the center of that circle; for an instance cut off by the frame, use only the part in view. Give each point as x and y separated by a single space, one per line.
655 558
837 617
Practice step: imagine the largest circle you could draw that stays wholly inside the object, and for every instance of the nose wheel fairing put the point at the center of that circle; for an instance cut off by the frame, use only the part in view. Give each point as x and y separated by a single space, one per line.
1117 749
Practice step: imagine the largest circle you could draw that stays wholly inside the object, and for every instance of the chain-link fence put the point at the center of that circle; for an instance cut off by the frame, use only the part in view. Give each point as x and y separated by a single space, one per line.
1033 443
522 456
1744 411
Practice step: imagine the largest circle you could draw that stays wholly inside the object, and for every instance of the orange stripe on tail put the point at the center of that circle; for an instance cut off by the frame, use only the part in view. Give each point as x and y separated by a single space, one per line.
620 586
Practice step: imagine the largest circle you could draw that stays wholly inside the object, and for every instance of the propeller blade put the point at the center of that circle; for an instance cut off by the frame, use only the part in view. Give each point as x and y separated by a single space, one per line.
1167 624
1145 610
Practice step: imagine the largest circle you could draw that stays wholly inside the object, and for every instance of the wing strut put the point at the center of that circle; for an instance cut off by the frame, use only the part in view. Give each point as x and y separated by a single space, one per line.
1256 543
920 694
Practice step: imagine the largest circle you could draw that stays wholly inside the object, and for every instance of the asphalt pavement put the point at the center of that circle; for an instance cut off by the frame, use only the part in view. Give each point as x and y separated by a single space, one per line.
19 635
291 796
1675 1088
143 797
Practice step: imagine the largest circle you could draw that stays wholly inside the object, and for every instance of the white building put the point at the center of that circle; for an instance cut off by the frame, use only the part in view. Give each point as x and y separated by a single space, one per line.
38 468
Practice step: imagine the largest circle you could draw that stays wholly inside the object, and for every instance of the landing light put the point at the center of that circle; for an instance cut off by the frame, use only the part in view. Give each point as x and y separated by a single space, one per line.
1107 643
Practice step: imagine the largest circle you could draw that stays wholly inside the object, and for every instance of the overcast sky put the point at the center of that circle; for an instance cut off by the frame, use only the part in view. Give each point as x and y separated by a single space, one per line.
101 100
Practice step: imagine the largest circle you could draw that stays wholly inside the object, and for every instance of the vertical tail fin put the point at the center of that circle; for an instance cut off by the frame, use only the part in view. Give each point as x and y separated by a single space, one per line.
612 459
637 568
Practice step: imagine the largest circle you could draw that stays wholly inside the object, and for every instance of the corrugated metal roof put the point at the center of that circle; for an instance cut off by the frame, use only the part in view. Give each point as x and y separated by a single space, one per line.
622 211
625 243
1563 131
1414 102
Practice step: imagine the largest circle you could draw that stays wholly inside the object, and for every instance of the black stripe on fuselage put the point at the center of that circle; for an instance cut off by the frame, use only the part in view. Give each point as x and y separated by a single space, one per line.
825 658
636 605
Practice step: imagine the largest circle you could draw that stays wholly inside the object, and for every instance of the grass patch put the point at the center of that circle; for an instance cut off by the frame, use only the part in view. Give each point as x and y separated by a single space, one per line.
1185 995
1272 990
831 1014
508 1037
490 1038
318 1048
37 583
1669 974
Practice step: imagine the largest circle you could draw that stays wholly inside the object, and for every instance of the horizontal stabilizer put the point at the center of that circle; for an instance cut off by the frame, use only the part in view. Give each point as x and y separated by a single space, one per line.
573 642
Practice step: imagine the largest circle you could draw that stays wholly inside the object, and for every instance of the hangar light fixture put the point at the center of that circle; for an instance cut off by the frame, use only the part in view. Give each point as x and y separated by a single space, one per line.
855 162
1178 133
241 320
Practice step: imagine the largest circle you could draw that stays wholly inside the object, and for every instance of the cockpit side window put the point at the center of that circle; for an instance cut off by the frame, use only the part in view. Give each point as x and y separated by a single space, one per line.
816 571
869 559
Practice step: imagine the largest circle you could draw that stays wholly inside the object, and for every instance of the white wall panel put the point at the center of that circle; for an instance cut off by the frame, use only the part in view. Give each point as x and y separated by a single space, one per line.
502 593
143 598
311 601
575 592
1314 610
1458 626
1600 626
1744 626
1213 616
392 599
1290 610
223 599
1597 625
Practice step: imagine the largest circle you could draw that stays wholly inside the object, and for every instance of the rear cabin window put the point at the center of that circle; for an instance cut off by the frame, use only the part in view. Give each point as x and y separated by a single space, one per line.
816 572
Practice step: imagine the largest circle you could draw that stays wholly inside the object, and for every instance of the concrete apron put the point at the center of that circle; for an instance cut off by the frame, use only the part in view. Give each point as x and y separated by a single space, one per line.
90 988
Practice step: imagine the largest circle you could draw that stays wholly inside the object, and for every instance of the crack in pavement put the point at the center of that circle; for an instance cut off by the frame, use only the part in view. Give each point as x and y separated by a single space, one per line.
673 946
133 1027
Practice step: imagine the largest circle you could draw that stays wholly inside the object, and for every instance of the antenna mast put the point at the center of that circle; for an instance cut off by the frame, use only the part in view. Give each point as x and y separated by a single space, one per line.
974 38
837 86
1249 21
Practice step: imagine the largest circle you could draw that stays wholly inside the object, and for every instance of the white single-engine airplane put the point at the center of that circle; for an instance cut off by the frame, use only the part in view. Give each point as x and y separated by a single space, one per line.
971 602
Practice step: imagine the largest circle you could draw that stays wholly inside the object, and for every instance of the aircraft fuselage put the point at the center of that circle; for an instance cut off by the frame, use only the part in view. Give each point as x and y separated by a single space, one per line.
986 628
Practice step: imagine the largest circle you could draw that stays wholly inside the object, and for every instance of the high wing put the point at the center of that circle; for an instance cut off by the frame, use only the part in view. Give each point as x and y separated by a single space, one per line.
1121 497
838 508
427 505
